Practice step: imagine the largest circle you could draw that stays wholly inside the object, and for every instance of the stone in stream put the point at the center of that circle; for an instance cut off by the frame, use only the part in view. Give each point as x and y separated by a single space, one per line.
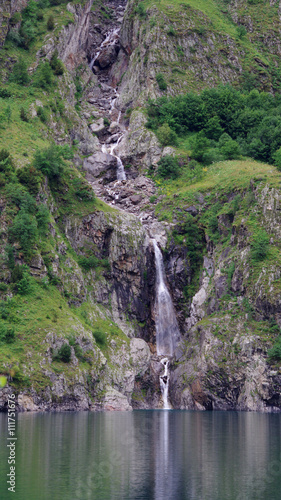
100 165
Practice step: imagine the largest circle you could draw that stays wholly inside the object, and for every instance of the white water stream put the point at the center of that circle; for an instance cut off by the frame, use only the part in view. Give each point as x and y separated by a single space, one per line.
167 330
111 39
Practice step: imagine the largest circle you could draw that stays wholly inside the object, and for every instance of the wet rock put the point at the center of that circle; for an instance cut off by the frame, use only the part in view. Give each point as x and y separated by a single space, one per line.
100 165
107 56
98 126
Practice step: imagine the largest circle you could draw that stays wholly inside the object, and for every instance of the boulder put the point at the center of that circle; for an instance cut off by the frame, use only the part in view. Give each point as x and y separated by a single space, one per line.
100 165
107 56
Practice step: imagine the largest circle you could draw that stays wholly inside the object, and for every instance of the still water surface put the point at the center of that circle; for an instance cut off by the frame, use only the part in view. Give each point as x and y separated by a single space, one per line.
143 455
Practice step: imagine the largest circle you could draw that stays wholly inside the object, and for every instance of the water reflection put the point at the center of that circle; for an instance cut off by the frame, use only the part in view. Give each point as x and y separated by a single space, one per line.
145 455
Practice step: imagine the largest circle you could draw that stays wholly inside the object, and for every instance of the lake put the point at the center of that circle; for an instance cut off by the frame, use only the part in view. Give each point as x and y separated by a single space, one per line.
142 455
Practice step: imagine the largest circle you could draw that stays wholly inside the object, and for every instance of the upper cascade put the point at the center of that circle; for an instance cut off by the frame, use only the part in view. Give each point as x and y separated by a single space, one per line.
167 329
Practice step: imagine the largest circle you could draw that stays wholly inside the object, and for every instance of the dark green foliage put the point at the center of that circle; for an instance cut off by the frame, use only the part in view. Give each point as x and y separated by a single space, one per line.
43 219
24 231
106 122
229 273
166 135
30 178
100 337
63 354
19 196
44 77
3 287
20 74
6 164
4 310
171 31
43 114
49 161
15 19
51 23
241 31
226 120
89 262
4 93
82 190
40 15
23 115
161 81
10 256
7 334
140 10
260 246
275 352
56 64
168 167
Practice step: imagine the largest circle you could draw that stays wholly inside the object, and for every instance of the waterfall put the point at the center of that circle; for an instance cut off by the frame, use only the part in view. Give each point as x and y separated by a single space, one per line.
167 330
164 384
111 39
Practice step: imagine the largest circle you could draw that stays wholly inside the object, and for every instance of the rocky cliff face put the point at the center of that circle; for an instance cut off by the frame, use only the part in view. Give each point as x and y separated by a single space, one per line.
228 307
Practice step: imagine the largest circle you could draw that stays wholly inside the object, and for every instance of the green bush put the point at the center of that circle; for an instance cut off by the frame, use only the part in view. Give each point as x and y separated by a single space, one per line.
5 93
140 10
49 161
275 352
63 354
15 19
89 262
20 74
43 114
23 115
51 23
7 334
161 81
19 196
24 231
260 246
30 178
56 64
100 337
167 136
43 219
44 77
3 287
168 167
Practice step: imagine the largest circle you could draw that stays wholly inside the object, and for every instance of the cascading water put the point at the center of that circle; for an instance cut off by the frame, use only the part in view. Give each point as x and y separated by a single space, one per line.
164 384
167 330
111 39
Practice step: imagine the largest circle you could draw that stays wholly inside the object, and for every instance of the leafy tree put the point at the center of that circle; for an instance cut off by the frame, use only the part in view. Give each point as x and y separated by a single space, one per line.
200 144
20 74
50 23
49 161
63 354
56 64
161 81
168 167
24 230
44 76
166 135
30 178
260 246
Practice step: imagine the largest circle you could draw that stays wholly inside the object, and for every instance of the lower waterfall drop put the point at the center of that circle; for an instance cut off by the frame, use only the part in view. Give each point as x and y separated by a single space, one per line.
167 329
164 384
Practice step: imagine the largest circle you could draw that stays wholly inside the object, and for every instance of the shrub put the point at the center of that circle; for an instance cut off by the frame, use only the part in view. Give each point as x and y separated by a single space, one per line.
50 23
166 135
100 337
42 113
106 122
6 162
140 10
40 16
275 352
18 195
49 161
63 354
24 286
241 31
24 230
168 167
89 262
29 177
4 93
20 74
56 64
171 31
44 76
260 245
15 19
7 334
161 81
23 115
10 256
3 287
43 219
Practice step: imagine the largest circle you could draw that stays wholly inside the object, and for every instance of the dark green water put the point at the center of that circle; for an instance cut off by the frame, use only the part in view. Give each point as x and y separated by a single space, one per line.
142 455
